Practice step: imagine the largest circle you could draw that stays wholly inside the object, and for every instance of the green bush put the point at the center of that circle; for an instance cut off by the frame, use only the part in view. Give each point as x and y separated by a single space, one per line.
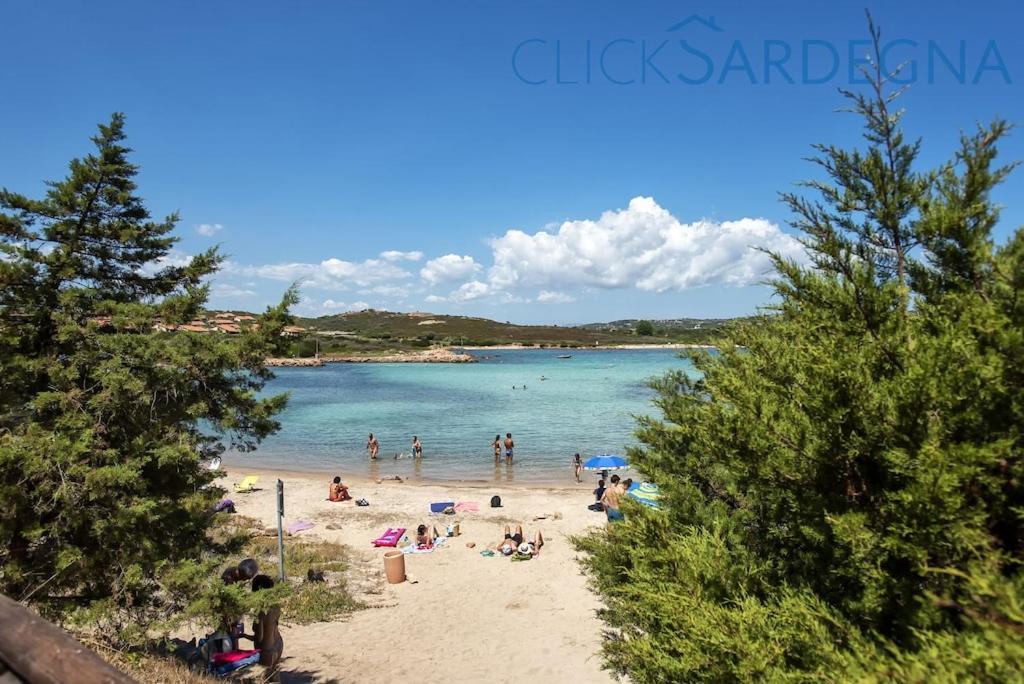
844 482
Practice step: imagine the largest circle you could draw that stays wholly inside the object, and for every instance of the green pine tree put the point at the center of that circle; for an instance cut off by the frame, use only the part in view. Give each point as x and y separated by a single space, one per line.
105 422
844 482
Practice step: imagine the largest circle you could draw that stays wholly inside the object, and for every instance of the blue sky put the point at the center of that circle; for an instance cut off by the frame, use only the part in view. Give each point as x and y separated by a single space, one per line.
310 138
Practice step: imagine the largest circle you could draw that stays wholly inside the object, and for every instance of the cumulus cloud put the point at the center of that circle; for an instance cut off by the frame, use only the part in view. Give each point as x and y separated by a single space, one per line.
209 229
449 268
642 246
395 255
470 291
173 258
333 305
229 290
330 274
552 297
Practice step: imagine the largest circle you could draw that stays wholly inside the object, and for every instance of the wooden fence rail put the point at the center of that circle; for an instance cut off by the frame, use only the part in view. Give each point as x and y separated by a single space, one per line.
34 651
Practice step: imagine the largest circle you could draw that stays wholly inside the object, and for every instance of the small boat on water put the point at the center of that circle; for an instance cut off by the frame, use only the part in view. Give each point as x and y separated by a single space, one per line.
564 356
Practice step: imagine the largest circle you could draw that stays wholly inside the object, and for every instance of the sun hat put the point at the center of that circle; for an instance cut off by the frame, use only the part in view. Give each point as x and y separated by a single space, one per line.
525 548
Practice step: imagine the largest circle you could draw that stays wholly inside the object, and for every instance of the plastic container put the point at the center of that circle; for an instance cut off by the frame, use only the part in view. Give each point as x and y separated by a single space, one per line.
394 566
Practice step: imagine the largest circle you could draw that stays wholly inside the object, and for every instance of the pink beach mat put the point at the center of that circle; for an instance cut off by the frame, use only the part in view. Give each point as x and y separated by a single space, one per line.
467 507
299 525
390 538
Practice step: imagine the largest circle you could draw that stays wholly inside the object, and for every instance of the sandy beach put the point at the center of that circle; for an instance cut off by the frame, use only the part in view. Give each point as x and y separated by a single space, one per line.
460 617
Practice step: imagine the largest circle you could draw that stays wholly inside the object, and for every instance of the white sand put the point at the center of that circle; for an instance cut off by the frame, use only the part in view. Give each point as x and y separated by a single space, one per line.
460 617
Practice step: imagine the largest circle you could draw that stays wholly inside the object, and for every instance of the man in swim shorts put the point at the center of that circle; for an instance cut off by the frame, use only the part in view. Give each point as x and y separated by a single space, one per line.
509 445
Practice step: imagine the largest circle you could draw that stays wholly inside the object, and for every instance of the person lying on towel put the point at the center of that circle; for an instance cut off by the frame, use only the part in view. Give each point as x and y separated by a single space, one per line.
338 491
425 538
513 542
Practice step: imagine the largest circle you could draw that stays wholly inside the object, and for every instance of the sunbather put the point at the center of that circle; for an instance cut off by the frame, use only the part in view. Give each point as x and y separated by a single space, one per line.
425 538
517 542
338 491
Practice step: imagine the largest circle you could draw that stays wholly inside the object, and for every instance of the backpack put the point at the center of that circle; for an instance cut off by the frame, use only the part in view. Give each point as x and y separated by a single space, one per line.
495 501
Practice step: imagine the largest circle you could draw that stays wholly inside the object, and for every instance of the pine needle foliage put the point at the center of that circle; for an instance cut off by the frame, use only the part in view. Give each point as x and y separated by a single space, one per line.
844 481
105 421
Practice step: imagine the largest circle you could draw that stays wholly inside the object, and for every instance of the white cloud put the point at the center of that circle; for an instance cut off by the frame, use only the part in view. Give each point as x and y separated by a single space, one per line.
433 298
552 297
330 274
387 291
173 257
209 229
395 255
448 268
229 290
642 246
467 292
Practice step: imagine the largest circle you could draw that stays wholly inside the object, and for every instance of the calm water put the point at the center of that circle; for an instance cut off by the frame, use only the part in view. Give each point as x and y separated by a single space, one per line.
585 404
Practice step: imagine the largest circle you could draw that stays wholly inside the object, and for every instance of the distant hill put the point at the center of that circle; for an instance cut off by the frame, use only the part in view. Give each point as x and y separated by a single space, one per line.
428 328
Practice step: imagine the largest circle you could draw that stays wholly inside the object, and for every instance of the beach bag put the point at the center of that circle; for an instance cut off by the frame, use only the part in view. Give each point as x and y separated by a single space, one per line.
362 502
495 501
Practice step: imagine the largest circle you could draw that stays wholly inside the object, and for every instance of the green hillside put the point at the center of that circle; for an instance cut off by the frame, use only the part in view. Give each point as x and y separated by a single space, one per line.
393 329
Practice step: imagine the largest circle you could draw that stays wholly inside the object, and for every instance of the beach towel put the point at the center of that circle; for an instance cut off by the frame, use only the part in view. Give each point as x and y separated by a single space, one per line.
224 663
390 538
299 525
412 548
439 507
248 483
467 507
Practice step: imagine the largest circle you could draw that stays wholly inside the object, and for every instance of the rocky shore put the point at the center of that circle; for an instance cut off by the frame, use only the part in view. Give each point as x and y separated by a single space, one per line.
425 356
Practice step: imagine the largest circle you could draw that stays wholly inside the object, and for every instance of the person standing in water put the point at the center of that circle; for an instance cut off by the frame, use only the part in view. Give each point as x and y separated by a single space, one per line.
373 446
509 446
577 466
417 447
497 449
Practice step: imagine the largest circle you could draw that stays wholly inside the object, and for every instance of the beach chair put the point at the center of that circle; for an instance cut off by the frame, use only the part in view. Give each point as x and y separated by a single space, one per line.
248 484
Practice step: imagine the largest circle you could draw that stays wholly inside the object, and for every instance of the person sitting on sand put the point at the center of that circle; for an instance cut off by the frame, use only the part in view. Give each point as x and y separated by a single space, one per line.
598 495
265 634
497 449
338 491
373 446
417 447
509 446
610 500
425 539
516 542
577 466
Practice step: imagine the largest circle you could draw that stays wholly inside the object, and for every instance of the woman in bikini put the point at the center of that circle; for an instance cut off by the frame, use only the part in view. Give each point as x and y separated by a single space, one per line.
577 466
496 445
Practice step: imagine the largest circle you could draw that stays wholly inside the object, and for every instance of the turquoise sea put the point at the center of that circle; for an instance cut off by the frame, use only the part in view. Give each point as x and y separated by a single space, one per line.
585 404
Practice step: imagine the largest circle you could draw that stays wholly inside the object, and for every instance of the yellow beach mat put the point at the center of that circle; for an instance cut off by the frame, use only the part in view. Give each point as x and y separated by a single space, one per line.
247 484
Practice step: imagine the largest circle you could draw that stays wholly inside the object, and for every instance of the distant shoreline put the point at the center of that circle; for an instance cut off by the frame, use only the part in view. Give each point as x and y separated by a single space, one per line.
603 347
455 355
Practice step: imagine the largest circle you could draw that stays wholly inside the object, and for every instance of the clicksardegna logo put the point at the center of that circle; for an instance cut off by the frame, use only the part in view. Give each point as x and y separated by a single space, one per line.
699 52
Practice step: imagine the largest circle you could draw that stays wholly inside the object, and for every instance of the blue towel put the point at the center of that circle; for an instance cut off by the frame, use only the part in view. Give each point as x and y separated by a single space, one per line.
439 507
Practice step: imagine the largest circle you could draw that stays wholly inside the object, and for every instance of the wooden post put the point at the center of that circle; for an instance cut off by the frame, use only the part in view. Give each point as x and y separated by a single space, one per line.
37 652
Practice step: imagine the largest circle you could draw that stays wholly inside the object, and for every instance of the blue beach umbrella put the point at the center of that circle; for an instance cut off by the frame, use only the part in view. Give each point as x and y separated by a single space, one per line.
646 493
605 462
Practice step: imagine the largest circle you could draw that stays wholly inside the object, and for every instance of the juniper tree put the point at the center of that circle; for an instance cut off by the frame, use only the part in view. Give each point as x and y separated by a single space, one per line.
105 421
844 492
